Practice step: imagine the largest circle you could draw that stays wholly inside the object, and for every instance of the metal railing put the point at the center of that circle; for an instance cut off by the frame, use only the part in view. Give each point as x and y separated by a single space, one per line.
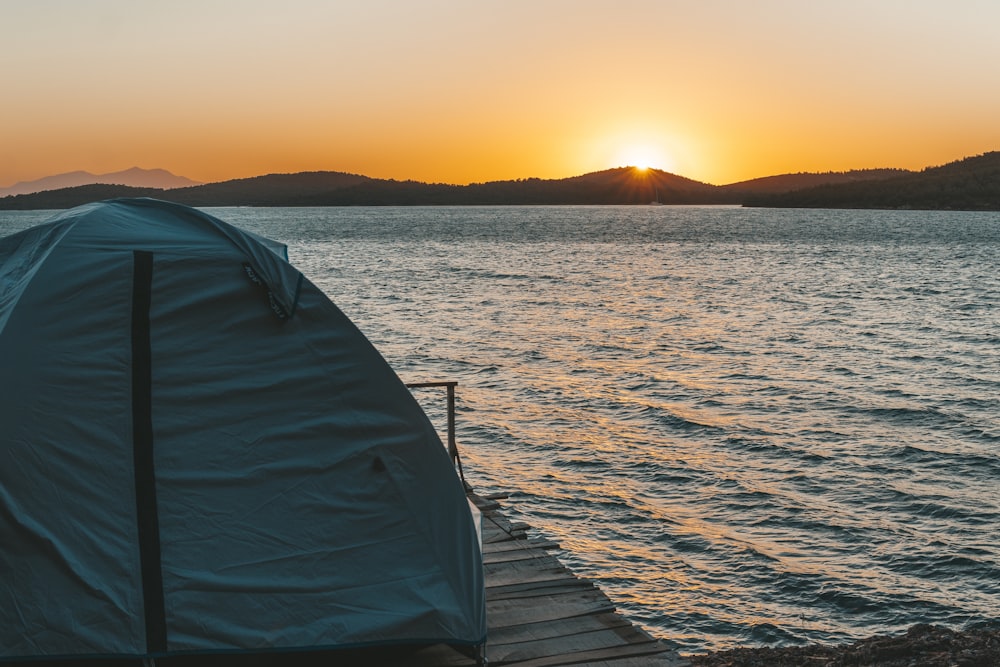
452 444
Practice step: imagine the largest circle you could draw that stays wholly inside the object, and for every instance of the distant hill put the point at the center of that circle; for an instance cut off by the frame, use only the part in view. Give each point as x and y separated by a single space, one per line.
269 190
972 183
800 181
135 177
625 185
969 184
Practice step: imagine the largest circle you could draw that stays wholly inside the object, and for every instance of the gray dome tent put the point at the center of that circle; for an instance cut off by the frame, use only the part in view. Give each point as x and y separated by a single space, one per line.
199 453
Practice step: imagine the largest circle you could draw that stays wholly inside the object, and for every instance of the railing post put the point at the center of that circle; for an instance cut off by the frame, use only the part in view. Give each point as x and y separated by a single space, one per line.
452 445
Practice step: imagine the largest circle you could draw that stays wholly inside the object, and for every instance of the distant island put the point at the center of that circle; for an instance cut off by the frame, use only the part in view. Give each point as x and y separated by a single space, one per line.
969 184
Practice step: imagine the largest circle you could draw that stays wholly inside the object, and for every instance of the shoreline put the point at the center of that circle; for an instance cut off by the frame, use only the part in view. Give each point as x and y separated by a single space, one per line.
923 645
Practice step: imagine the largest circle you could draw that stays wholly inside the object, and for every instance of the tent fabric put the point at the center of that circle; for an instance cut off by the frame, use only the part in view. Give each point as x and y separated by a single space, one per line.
201 453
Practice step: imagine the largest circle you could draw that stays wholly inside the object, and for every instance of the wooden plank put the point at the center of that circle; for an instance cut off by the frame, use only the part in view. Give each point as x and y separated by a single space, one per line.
543 561
486 505
536 583
492 537
438 655
538 588
501 613
513 545
511 555
628 650
511 551
498 534
489 537
495 523
668 659
620 637
556 628
520 573
525 567
498 520
535 590
526 576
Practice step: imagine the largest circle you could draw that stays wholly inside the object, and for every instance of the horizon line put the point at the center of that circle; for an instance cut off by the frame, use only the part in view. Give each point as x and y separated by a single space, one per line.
649 168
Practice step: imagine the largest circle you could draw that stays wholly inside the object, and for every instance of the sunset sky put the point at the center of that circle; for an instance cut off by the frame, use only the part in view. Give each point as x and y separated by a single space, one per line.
475 90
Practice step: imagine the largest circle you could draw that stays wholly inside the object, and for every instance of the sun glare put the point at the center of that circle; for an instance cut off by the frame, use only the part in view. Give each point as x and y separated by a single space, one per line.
641 157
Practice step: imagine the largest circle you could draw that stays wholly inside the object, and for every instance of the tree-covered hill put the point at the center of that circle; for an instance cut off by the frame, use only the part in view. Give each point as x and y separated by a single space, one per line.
802 180
970 184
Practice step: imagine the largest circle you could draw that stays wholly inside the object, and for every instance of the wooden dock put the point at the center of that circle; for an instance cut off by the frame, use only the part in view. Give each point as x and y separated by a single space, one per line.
540 614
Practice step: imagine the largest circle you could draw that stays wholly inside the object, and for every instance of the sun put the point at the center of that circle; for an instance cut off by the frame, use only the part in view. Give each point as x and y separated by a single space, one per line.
643 158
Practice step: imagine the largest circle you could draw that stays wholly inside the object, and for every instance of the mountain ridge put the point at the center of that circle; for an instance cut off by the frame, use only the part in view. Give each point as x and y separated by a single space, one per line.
970 183
133 176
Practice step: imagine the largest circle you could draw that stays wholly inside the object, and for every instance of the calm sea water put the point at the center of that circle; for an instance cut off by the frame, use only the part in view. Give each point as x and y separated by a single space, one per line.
749 426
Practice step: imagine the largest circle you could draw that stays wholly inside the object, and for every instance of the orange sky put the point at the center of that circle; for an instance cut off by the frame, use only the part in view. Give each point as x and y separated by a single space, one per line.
460 91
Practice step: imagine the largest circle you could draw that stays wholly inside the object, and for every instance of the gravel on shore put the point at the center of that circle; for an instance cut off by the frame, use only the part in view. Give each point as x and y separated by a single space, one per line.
921 646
